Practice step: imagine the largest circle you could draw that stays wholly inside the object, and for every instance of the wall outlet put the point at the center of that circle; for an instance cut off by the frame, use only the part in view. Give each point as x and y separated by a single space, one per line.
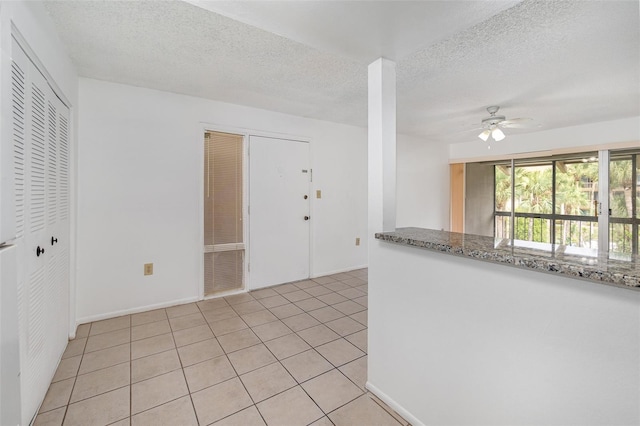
148 268
318 194
357 241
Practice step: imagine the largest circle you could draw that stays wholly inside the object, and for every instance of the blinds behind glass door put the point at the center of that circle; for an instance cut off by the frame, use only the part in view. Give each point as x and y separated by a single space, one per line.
223 227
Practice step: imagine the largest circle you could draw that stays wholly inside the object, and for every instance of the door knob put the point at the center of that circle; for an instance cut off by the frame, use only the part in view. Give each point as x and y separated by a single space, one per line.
39 251
306 196
53 240
306 218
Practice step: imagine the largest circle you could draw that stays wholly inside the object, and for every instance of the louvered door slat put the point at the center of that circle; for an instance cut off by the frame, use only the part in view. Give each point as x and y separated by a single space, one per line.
18 124
63 170
36 310
38 159
52 165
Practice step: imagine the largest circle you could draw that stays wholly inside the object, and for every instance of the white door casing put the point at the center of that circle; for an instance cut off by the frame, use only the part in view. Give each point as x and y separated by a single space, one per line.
279 213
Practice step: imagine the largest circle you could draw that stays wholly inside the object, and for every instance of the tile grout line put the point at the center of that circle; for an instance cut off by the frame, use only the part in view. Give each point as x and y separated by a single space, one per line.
66 409
300 383
224 353
263 342
386 408
131 377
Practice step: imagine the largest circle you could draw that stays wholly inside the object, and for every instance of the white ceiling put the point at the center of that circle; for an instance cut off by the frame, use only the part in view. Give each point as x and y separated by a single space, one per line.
562 63
361 30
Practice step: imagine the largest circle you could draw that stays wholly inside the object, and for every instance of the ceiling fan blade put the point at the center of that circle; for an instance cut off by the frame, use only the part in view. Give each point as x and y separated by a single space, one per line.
475 129
517 123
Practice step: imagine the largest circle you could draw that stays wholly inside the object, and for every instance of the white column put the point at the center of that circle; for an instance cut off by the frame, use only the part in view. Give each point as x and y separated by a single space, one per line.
382 146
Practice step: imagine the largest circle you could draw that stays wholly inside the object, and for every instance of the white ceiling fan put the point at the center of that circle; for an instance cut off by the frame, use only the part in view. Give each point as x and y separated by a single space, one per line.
494 124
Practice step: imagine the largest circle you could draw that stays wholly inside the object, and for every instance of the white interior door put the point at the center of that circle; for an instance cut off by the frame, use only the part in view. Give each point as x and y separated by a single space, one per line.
279 184
40 138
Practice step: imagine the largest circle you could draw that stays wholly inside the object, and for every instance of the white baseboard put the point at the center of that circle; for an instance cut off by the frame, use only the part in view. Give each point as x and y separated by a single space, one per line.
338 271
226 293
136 310
394 405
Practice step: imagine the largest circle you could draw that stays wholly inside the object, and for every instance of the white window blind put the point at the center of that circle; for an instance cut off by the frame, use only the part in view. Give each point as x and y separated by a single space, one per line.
223 224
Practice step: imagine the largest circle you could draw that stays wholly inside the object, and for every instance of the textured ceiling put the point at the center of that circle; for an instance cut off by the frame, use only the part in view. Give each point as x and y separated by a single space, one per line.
562 63
361 30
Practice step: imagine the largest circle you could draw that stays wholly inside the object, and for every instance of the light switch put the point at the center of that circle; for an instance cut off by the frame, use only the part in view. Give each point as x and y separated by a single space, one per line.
318 194
357 241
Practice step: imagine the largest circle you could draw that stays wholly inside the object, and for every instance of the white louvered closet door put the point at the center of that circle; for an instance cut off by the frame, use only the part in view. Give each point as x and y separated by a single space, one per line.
41 171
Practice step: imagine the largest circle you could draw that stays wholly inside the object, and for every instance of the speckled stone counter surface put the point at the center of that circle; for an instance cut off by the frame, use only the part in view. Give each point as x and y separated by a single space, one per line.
563 260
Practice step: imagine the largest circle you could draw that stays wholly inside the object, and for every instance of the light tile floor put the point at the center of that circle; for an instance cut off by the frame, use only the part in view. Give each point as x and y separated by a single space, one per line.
295 354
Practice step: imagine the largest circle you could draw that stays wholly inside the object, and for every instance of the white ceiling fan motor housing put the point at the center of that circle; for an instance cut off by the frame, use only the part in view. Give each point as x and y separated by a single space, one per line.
494 120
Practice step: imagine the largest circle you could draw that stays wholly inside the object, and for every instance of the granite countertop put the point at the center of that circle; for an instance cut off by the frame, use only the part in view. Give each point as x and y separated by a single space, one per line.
620 271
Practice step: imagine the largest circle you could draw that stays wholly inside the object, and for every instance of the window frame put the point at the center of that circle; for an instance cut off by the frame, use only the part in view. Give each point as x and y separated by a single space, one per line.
555 218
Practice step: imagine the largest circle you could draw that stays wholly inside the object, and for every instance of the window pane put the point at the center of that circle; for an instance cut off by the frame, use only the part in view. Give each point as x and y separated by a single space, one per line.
533 229
638 186
533 189
223 188
623 202
503 188
620 238
620 187
577 233
503 226
577 186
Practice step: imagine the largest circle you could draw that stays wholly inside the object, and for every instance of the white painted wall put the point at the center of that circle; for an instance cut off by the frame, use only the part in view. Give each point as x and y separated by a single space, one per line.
139 199
423 183
626 130
455 341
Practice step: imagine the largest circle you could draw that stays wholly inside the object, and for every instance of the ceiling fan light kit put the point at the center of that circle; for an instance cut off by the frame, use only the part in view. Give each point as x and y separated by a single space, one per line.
497 134
493 123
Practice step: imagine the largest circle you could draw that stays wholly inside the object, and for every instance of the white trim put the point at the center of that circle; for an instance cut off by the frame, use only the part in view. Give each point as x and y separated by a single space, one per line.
92 318
312 210
394 405
73 219
604 192
226 293
548 153
200 213
216 248
252 132
339 271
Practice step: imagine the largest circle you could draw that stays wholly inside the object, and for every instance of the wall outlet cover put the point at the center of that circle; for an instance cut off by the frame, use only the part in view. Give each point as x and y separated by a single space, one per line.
148 268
